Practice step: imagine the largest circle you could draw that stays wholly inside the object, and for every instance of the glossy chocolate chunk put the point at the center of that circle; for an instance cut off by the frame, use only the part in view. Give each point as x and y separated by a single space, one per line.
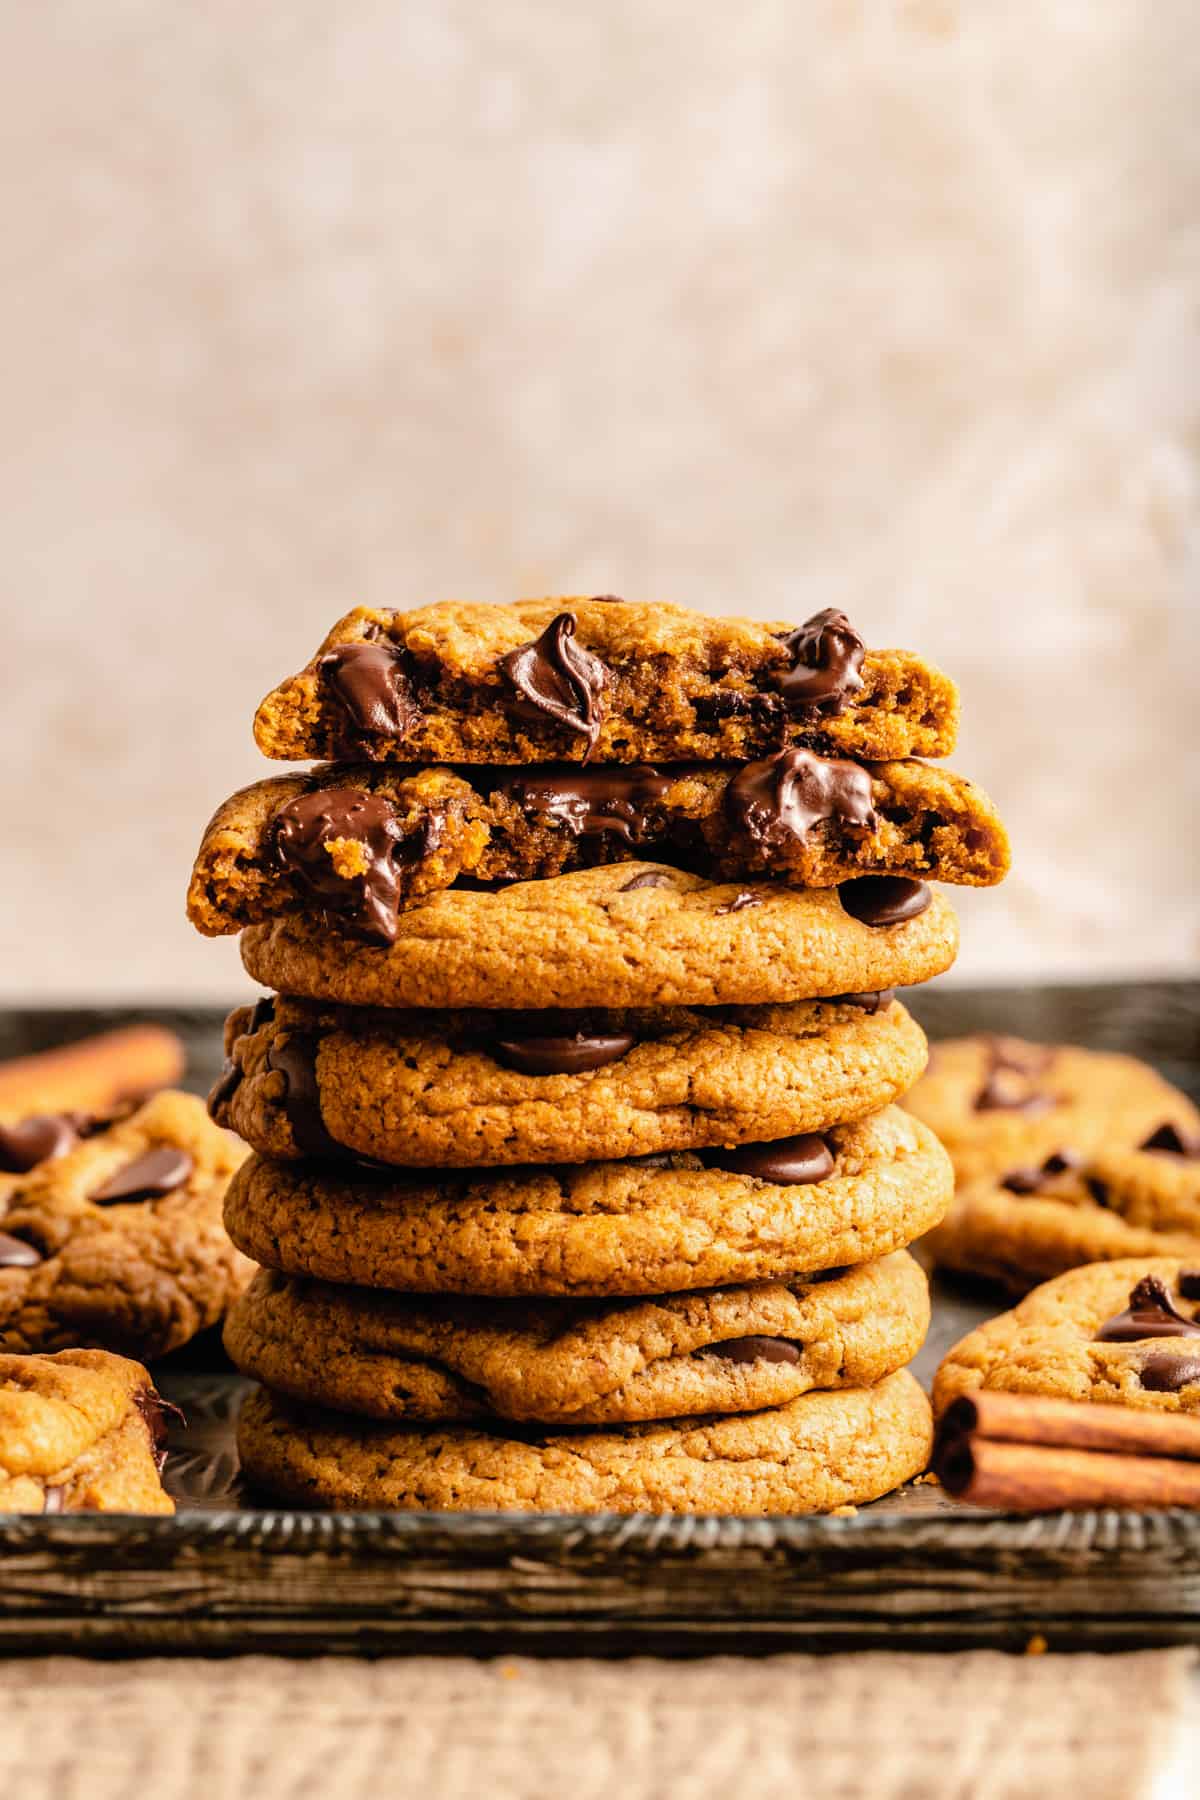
1162 1373
591 802
739 903
147 1177
373 683
1188 1283
787 1162
827 658
564 1053
38 1139
295 1058
754 1349
1151 1313
223 1088
880 900
556 678
1172 1141
341 845
781 799
14 1254
1032 1181
647 879
154 1410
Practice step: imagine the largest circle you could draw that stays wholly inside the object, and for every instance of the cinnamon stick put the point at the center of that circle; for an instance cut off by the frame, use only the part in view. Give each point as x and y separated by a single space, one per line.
94 1073
1040 1478
1024 1453
1072 1424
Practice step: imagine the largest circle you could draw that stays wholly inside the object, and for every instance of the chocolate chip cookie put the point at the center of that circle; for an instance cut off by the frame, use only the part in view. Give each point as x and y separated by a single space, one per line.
1124 1332
113 1236
1003 1106
1072 1209
364 844
664 1224
604 680
81 1431
628 935
460 1089
733 1349
820 1451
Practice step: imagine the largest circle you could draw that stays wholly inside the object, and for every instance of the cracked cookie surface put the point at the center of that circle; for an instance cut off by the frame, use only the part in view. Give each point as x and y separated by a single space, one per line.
820 1451
664 1225
365 843
630 935
1120 1332
622 682
118 1242
733 1349
452 1089
80 1431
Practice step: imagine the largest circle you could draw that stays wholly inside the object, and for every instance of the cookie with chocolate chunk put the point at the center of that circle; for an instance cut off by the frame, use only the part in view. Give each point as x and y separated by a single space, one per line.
1071 1209
473 1089
637 934
80 1431
1126 1332
570 1362
658 1225
1001 1104
363 844
601 680
817 1452
117 1240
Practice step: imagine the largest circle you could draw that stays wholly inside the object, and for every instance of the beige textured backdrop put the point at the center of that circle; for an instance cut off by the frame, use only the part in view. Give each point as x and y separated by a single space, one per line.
889 305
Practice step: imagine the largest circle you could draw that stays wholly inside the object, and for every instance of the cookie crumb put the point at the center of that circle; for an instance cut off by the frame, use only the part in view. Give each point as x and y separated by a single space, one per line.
844 1512
1037 1645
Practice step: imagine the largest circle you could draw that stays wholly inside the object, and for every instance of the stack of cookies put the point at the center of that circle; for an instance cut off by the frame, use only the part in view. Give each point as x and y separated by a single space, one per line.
578 1182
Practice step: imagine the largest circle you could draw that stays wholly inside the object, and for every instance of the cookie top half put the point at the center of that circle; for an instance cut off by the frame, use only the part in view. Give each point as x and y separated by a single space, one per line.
600 679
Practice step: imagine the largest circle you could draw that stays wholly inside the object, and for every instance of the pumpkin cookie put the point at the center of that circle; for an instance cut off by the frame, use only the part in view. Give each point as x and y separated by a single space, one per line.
815 1453
81 1431
1124 1332
117 1241
722 1350
603 680
467 1090
627 935
364 844
661 1225
1002 1105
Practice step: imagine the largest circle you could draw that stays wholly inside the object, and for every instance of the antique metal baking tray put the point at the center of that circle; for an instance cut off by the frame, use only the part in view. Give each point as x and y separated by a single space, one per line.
913 1571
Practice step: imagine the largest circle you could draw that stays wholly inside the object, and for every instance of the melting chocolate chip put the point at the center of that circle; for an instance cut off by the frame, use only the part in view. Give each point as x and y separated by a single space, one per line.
1162 1373
261 1013
295 1058
223 1088
1032 1181
872 1000
38 1139
373 681
648 878
52 1500
884 899
827 658
1011 1070
739 903
556 678
754 1349
591 802
1151 1313
14 1254
147 1177
788 1162
1171 1140
1188 1283
344 846
567 1053
778 801
154 1410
